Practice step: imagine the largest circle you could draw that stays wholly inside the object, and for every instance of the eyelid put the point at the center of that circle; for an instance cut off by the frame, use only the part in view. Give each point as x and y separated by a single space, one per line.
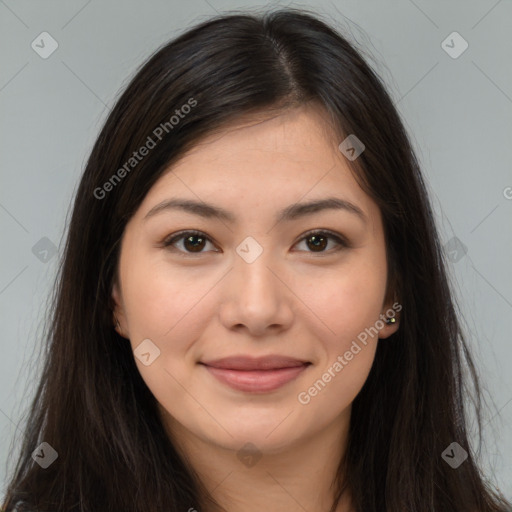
169 240
338 237
340 240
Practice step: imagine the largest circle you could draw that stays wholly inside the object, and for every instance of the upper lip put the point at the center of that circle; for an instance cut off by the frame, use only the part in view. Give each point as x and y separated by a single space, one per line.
255 363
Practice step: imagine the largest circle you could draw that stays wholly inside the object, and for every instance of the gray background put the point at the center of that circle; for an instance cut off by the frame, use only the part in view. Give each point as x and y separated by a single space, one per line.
457 110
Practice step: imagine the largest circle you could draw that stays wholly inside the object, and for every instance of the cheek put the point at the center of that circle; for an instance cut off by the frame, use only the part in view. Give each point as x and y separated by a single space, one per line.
349 303
159 301
346 311
345 303
336 386
165 307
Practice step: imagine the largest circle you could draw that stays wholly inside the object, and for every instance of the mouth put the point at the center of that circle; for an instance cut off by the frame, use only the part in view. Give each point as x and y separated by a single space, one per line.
260 375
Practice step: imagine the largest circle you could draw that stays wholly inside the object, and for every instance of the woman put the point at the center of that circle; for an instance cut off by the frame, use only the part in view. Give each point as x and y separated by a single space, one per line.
253 308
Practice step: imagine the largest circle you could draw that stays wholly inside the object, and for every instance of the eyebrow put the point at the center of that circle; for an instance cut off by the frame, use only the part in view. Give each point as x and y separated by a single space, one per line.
292 212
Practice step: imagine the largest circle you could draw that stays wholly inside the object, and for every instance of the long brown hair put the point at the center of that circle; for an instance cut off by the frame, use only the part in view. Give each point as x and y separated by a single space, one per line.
92 406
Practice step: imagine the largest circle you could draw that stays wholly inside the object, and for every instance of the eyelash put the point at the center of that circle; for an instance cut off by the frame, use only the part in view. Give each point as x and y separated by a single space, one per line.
341 241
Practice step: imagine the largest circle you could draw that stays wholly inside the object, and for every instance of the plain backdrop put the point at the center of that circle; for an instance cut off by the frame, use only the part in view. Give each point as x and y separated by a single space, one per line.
456 106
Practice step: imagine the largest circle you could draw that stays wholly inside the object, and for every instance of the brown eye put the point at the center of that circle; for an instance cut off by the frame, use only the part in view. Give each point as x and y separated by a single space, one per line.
317 241
193 241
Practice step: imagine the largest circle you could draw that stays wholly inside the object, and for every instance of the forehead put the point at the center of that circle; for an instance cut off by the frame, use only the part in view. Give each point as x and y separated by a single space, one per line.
300 134
264 163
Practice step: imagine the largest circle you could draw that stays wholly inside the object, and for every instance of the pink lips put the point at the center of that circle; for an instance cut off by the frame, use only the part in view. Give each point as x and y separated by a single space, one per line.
256 374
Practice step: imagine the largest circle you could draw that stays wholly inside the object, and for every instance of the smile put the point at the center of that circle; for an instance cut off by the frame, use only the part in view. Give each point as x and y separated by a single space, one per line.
257 381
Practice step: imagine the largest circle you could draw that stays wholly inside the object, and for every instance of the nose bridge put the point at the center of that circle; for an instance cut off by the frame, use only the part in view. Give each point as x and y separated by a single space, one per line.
256 298
252 268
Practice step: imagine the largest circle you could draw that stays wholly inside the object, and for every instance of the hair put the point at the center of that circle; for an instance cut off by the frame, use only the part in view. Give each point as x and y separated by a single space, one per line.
91 404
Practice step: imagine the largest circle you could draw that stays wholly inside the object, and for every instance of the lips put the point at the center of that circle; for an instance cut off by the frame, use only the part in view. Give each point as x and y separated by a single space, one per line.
242 363
256 375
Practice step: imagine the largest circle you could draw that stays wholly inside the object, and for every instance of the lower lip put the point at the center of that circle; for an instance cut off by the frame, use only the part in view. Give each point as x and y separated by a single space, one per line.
256 381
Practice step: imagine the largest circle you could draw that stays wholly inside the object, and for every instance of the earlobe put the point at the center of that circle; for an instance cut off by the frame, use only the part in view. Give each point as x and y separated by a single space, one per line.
389 328
390 319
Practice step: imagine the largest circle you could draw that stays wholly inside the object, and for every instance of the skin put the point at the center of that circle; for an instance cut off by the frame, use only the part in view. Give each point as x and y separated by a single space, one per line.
292 300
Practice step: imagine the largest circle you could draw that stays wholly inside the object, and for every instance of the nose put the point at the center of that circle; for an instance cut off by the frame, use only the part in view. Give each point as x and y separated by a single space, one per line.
256 298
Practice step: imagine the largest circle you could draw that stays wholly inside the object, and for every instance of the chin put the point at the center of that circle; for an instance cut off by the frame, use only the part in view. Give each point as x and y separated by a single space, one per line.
267 439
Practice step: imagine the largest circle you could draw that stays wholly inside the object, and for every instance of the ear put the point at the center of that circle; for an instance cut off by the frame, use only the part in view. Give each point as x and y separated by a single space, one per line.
118 310
390 310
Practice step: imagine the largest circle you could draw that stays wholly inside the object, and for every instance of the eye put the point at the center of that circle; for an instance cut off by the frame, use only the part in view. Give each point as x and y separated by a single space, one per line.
318 241
193 242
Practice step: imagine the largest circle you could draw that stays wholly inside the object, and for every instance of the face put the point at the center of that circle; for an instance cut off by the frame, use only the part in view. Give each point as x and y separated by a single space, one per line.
308 284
